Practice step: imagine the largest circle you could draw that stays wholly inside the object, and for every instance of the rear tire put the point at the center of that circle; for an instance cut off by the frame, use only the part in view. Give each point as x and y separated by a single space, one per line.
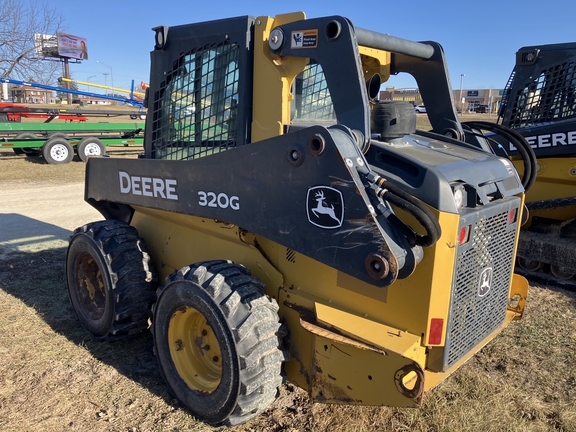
110 281
58 135
90 146
216 340
57 151
28 151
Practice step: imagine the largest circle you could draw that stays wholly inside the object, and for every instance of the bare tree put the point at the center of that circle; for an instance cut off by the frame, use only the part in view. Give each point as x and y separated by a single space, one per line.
19 22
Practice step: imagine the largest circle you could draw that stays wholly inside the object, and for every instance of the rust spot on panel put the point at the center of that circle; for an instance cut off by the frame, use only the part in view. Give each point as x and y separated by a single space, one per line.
309 323
339 338
326 391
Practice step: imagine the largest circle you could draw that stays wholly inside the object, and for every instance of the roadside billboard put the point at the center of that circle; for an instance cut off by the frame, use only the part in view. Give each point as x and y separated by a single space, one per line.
72 46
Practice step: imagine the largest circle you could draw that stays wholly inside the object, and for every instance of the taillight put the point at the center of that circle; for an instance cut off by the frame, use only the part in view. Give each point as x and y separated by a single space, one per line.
464 235
512 215
436 330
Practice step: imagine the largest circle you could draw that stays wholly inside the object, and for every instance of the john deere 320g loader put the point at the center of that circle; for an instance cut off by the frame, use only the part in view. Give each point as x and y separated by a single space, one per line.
283 224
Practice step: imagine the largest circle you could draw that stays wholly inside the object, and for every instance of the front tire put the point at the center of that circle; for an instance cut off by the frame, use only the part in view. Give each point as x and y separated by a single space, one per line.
110 281
216 340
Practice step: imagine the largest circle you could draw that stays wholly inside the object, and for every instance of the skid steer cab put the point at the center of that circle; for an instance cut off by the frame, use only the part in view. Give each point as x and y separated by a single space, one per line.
284 224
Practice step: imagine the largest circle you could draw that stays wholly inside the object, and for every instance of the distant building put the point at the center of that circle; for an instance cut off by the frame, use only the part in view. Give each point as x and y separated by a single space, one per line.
472 98
467 101
27 94
411 95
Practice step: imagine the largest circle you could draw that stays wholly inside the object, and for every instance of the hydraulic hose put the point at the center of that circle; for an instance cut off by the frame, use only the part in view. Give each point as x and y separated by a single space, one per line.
518 141
387 191
411 205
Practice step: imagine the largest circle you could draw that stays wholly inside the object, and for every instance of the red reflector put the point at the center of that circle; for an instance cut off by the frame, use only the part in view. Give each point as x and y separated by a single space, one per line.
512 216
436 329
464 235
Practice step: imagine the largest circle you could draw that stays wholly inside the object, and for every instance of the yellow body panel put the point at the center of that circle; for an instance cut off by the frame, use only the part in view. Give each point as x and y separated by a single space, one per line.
556 178
350 342
175 240
273 77
408 304
375 61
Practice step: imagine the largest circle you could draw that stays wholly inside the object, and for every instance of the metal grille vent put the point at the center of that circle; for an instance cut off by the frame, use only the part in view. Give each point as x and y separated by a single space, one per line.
195 110
549 96
290 255
473 317
527 57
312 96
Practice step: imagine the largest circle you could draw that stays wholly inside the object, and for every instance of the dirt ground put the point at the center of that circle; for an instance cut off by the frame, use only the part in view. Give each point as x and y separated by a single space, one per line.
38 217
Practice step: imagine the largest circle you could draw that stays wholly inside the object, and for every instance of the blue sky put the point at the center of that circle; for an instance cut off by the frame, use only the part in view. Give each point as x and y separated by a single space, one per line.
480 38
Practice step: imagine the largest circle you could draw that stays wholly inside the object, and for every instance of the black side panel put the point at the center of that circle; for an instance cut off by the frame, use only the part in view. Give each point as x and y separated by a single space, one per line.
312 201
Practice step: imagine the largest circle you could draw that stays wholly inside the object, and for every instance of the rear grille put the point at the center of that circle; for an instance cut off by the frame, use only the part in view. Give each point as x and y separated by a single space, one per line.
473 313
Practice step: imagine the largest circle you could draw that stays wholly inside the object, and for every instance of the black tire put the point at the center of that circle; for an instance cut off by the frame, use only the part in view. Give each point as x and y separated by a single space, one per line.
28 151
110 280
57 151
216 338
90 146
58 135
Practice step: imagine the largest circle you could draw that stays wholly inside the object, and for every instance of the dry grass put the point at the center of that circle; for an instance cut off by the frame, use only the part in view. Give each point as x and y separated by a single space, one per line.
18 168
54 377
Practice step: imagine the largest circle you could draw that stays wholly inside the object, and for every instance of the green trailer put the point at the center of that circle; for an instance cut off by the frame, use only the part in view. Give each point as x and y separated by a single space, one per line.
56 142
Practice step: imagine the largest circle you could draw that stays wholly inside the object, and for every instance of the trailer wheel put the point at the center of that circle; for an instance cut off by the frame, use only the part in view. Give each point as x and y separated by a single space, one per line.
110 281
90 146
26 151
217 344
57 151
58 135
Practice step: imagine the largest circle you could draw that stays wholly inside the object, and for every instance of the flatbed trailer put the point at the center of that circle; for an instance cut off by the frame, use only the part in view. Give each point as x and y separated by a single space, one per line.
56 142
14 113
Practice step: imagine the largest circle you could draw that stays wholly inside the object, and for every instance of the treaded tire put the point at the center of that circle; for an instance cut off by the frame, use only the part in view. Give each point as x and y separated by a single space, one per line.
90 146
237 379
110 280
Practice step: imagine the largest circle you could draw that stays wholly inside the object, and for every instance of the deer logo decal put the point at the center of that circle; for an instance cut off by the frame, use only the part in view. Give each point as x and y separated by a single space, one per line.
325 207
485 282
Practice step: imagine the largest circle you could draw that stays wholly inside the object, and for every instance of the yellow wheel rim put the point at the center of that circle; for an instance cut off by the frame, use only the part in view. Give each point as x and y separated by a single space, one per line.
195 350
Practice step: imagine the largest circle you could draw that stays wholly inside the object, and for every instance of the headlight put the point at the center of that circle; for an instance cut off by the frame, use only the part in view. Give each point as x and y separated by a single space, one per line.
459 196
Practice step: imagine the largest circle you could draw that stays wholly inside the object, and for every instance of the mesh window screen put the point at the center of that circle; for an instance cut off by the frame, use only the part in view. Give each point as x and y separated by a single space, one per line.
550 96
195 111
312 96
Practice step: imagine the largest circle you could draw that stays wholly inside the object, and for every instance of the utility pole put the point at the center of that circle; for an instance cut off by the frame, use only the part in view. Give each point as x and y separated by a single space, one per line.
461 100
111 74
89 90
67 75
105 80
